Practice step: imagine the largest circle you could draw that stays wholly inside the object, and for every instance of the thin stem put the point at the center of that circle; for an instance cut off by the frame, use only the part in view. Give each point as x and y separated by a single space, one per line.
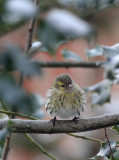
8 138
29 43
84 137
6 147
30 33
39 147
17 114
59 64
5 109
4 106
109 143
30 36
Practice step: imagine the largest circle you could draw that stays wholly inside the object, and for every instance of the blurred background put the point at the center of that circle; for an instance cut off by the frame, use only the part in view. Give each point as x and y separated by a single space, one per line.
106 24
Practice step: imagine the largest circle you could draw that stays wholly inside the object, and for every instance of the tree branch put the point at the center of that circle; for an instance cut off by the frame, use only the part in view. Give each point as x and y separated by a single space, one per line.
17 114
30 32
108 143
40 147
61 126
60 64
84 137
6 147
29 42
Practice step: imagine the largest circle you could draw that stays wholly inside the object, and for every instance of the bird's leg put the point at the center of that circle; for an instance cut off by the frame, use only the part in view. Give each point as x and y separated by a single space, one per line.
75 119
54 120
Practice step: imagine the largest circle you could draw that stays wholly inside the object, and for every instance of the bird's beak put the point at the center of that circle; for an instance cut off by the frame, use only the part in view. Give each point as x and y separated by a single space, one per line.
69 86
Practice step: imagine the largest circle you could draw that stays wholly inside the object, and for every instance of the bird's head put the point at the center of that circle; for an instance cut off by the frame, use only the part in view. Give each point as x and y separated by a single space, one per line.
64 83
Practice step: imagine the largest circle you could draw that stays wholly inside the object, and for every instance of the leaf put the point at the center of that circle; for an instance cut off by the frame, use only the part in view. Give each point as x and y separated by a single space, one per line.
116 155
68 55
102 98
14 13
38 102
89 7
39 99
99 86
72 26
111 63
105 150
111 51
48 37
28 67
111 67
14 97
116 127
98 158
116 73
94 158
12 59
2 13
17 10
39 113
97 51
3 134
106 51
59 26
101 92
36 46
105 158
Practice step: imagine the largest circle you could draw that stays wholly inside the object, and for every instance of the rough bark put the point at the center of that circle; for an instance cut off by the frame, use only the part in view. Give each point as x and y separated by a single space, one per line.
61 126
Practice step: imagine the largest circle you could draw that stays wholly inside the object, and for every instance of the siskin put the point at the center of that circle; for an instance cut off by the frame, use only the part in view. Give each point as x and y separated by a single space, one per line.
65 99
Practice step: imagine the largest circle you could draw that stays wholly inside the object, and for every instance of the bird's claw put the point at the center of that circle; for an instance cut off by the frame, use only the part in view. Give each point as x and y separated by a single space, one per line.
75 119
53 121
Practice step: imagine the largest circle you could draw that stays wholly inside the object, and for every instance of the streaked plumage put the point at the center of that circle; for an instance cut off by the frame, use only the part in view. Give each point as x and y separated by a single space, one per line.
65 99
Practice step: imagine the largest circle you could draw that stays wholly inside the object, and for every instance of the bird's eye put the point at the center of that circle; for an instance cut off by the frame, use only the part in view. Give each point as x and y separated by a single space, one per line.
62 86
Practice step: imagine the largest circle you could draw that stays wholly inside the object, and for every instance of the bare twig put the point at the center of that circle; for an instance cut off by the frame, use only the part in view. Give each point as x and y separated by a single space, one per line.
59 64
39 147
61 126
6 147
30 33
29 42
109 143
4 106
84 137
17 114
8 138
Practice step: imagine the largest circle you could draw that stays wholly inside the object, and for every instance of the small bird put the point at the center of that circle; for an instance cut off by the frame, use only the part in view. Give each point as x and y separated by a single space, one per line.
65 98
